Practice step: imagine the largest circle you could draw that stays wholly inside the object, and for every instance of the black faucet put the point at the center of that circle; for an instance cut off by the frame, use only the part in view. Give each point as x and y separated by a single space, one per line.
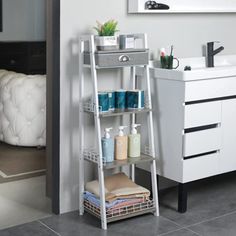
211 53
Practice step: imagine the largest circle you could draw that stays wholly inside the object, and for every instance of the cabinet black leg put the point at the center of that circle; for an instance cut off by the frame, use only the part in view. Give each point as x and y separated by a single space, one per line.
182 198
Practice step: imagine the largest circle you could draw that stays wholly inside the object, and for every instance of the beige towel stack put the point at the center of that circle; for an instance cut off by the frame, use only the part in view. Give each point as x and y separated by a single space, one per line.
118 186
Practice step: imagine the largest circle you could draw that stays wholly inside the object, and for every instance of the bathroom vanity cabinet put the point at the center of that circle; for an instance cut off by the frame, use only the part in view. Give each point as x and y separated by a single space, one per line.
195 125
228 152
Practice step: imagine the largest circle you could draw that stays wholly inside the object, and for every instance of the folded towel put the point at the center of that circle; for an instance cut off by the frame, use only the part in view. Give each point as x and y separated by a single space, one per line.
118 186
94 200
113 205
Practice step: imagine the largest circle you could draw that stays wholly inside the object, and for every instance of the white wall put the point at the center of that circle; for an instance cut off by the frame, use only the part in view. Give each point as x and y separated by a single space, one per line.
187 32
23 20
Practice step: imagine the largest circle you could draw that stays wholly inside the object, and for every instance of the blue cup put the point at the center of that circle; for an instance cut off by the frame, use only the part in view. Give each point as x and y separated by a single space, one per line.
135 99
111 95
120 99
103 101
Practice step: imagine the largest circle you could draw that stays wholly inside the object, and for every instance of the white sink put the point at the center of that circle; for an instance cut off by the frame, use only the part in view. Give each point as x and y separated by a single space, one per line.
225 66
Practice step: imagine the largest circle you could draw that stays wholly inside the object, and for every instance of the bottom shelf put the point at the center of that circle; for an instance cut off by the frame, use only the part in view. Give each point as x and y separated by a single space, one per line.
123 212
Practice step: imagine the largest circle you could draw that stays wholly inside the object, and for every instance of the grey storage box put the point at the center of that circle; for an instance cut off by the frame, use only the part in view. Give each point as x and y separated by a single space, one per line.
119 58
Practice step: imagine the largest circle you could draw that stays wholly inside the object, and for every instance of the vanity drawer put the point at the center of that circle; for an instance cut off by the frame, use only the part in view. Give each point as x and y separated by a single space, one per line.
201 167
202 114
210 89
203 141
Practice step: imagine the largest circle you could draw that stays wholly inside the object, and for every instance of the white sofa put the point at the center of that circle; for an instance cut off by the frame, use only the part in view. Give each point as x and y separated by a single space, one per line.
22 109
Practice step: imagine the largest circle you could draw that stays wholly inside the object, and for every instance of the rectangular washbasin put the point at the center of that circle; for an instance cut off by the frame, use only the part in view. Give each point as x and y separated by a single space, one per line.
225 66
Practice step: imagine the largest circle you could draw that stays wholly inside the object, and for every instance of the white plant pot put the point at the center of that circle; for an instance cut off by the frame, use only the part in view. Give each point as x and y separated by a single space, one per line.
105 43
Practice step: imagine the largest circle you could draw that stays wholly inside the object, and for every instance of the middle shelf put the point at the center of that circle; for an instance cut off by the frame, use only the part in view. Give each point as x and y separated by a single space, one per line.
90 108
92 156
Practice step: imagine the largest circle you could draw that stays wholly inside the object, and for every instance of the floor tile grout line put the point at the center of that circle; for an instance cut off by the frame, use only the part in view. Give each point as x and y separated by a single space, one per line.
173 222
176 224
181 227
193 231
188 226
211 219
22 223
39 221
169 232
176 230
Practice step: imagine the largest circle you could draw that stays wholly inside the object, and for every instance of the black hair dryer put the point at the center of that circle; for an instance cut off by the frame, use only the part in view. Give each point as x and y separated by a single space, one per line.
153 5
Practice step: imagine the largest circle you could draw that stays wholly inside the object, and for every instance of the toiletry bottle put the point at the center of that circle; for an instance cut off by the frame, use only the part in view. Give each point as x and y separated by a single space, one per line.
121 145
163 58
108 146
134 142
162 52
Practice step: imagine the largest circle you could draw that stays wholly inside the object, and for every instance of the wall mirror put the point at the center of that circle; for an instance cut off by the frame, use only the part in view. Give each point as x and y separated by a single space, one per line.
181 6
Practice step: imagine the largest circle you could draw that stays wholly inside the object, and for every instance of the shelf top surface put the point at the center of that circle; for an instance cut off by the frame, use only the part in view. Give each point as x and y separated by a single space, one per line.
121 51
129 161
114 67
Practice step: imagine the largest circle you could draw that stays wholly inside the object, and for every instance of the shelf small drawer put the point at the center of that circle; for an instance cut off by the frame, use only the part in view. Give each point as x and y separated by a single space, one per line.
119 58
201 141
210 89
201 167
202 114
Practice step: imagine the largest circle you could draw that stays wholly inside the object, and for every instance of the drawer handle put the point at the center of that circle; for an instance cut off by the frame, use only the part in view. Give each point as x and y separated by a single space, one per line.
201 154
200 128
124 58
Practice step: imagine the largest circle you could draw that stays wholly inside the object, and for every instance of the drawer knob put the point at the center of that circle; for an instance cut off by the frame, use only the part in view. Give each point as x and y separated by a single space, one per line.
124 58
12 62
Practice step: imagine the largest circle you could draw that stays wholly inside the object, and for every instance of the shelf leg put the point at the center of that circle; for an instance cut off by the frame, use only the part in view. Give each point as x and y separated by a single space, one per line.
98 129
81 128
182 198
102 198
158 184
152 143
133 172
81 186
133 116
154 187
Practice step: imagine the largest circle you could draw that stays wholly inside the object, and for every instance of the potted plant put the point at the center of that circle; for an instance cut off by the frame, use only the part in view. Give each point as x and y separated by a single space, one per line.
106 39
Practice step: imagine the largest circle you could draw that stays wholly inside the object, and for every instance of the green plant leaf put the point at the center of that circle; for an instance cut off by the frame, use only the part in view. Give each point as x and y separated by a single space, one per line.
109 28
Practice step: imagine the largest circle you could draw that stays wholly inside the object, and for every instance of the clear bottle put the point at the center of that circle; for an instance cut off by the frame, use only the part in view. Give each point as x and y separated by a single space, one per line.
121 145
134 142
108 146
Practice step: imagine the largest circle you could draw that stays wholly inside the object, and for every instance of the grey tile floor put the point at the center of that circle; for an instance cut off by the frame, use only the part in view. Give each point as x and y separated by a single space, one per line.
23 201
211 212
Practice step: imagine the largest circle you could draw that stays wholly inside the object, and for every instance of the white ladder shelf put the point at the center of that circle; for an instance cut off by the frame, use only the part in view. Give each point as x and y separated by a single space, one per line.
96 155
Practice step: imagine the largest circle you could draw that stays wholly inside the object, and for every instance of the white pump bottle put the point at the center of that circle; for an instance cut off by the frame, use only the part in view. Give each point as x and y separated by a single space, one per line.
121 145
134 142
108 146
